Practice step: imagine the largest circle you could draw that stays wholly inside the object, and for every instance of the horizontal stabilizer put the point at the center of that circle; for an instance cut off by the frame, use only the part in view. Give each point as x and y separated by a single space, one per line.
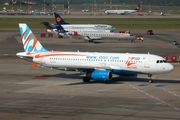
34 65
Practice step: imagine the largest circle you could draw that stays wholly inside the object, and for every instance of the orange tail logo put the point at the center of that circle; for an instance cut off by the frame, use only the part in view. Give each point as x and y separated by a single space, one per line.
58 19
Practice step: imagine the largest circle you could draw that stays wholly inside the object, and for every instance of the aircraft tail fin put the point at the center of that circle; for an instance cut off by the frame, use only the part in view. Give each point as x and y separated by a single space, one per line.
47 25
30 42
138 7
59 20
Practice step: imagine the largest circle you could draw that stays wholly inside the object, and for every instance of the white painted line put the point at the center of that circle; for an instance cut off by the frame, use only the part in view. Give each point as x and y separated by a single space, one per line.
169 92
7 36
161 101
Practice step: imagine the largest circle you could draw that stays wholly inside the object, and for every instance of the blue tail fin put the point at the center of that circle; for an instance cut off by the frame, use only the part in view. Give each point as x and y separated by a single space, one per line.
47 25
59 20
30 42
138 7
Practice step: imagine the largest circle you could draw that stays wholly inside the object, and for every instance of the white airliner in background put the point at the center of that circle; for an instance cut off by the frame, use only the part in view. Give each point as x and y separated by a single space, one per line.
94 35
53 30
123 12
88 34
98 66
66 25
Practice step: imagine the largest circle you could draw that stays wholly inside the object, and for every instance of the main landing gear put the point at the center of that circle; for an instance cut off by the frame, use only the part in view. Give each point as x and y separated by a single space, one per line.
90 41
150 80
86 79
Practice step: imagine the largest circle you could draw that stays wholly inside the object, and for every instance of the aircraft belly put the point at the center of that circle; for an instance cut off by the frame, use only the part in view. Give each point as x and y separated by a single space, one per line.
92 38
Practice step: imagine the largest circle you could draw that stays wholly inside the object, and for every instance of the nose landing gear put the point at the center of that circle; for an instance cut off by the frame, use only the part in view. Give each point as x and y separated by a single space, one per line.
150 80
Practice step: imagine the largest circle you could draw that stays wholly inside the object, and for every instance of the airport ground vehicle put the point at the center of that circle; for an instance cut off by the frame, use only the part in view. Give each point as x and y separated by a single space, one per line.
174 42
139 37
149 32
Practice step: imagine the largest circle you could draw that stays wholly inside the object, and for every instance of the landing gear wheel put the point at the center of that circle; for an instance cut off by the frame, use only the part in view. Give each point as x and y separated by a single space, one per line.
150 81
86 79
90 41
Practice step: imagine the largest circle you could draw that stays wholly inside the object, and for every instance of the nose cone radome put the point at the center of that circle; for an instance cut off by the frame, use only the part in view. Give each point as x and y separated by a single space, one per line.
170 68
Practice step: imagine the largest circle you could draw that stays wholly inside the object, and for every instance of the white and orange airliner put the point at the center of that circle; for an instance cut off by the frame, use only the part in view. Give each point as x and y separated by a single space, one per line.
98 66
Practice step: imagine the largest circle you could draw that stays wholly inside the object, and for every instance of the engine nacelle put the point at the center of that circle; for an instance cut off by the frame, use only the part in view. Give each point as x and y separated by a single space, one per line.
100 75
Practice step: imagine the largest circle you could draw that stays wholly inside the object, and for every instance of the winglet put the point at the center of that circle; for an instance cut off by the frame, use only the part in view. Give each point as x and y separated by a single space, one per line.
30 42
58 19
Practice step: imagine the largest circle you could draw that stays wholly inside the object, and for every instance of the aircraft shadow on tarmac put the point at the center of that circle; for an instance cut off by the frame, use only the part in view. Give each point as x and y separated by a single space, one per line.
114 80
95 42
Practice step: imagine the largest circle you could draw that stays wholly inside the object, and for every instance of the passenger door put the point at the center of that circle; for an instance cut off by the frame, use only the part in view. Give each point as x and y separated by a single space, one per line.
147 62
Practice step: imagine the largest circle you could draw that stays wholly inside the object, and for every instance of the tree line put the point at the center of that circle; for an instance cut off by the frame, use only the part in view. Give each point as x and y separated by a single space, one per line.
144 2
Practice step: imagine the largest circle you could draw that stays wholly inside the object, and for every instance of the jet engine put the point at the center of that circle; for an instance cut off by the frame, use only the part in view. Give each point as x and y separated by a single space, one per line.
100 75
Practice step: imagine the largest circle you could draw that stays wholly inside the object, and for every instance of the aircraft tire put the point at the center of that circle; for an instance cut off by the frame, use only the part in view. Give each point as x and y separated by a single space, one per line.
86 79
90 40
150 81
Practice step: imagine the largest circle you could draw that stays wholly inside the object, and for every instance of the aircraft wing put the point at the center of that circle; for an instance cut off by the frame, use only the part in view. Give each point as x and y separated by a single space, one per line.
65 35
82 68
91 38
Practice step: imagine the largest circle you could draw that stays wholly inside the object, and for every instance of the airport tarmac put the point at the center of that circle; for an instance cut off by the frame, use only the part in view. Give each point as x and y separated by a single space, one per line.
40 93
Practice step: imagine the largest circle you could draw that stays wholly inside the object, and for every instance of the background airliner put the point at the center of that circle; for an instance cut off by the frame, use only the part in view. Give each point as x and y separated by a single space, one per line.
51 29
94 35
123 12
87 34
66 25
98 66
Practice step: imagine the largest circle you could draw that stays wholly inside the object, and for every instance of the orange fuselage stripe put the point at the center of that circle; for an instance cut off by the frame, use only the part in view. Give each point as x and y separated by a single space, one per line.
41 56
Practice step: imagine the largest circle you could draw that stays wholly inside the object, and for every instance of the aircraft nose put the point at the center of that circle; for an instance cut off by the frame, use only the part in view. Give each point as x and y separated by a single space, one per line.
170 68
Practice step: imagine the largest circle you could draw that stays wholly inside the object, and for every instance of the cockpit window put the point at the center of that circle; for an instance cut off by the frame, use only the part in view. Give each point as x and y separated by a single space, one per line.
164 61
161 61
